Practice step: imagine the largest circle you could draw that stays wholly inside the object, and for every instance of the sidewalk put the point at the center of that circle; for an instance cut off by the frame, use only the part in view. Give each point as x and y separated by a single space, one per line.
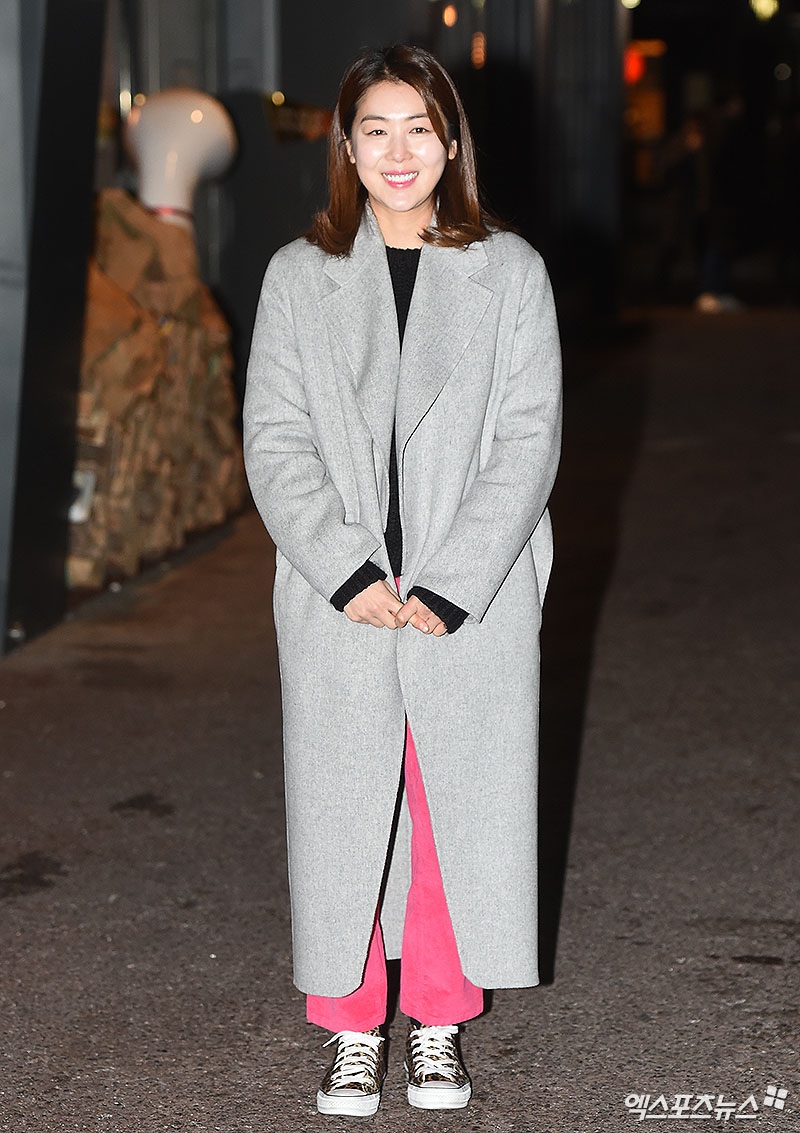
146 978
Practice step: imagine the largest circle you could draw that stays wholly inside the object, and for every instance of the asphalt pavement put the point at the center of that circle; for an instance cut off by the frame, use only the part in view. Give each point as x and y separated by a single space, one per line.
145 973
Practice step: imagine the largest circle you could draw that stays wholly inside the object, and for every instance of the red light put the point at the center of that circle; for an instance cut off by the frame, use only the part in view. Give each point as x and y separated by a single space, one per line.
634 65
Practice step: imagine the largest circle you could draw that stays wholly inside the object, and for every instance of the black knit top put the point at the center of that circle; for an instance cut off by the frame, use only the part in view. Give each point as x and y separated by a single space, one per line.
403 263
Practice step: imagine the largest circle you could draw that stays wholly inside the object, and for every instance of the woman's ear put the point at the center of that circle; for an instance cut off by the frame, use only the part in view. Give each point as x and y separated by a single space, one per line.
453 150
348 147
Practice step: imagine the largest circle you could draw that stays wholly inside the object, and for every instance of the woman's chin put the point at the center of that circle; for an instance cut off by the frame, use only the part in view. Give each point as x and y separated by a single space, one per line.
401 202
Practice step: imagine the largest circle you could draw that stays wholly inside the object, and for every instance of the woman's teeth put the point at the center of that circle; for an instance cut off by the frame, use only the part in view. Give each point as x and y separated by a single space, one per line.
399 178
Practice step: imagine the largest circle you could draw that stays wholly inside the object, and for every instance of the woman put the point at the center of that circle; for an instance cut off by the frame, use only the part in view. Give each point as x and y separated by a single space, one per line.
402 425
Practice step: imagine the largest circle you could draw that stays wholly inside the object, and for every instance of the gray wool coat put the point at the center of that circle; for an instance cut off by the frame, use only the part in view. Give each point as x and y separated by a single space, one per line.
476 395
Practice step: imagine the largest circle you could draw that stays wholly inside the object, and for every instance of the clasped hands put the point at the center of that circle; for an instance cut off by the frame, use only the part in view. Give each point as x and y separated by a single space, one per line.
379 605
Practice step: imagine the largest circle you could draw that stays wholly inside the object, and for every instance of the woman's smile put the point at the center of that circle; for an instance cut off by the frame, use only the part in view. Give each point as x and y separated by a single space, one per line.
400 180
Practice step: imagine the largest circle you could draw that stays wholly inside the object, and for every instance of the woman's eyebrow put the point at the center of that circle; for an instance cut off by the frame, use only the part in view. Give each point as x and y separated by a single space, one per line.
387 117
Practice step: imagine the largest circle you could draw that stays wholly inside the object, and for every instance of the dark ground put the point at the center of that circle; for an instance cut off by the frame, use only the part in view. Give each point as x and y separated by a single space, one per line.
145 979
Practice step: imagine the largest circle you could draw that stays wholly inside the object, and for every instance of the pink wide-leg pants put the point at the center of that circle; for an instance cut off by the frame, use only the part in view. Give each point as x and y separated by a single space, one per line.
433 989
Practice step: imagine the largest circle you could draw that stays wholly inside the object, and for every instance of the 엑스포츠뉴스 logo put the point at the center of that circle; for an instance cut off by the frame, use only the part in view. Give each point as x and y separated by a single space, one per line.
708 1107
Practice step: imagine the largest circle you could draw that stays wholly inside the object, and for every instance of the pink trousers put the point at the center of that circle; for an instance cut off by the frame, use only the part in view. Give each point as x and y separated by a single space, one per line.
433 989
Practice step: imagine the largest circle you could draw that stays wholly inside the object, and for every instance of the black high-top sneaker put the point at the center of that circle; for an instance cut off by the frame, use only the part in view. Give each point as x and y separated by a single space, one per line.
352 1085
436 1075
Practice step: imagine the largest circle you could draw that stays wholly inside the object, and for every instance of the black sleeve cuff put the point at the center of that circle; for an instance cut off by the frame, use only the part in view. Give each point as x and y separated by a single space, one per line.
452 616
359 580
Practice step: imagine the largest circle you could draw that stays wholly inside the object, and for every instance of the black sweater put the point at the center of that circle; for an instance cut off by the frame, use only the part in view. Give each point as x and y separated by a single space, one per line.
403 264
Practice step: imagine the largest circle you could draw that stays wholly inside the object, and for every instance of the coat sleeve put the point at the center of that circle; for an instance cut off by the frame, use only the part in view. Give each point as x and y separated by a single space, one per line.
295 496
359 580
508 496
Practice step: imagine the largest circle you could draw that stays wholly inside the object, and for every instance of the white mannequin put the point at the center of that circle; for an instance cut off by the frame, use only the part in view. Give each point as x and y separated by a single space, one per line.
177 138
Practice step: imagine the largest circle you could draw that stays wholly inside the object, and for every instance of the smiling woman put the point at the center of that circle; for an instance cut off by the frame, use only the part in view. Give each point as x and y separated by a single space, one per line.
399 159
402 428
385 103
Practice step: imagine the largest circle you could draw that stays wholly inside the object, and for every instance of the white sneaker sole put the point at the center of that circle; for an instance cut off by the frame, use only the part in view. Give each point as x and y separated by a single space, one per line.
439 1097
348 1105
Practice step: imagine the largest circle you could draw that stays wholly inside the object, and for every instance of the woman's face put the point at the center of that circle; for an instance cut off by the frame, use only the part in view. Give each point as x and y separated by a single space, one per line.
395 150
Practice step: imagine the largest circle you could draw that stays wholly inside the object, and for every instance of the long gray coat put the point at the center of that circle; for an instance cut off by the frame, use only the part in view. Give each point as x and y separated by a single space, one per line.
477 398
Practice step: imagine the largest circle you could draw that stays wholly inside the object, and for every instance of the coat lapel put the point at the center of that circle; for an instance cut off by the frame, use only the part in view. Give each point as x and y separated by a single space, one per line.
361 313
446 307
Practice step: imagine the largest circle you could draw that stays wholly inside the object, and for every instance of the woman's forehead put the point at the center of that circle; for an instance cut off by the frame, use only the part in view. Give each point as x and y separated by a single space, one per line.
391 101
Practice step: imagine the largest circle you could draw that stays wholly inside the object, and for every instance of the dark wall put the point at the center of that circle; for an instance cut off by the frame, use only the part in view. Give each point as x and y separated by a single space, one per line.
59 247
269 198
18 52
547 113
319 40
582 145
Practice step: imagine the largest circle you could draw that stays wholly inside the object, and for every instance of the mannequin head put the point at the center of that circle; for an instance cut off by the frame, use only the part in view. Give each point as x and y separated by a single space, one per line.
177 138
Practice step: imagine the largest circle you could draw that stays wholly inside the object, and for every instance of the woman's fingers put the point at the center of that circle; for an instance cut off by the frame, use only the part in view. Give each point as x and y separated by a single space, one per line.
375 605
417 614
386 617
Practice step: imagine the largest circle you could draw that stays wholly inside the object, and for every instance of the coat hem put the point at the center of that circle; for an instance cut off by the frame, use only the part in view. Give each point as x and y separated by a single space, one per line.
492 985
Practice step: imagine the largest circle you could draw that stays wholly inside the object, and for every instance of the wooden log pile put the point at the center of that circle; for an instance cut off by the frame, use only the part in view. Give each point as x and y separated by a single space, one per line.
159 453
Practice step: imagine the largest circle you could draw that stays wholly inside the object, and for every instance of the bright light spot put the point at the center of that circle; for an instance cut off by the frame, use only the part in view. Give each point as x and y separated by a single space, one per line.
125 103
631 3
478 53
278 98
764 9
139 99
634 65
196 116
449 15
783 72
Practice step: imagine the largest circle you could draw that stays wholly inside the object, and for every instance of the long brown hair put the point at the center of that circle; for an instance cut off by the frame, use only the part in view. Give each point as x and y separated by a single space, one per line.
461 217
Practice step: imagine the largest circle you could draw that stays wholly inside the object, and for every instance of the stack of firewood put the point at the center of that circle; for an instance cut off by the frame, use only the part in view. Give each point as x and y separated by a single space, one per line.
159 454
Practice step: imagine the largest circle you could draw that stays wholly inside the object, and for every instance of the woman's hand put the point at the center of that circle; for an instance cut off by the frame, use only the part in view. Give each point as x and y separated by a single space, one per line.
379 605
420 616
375 605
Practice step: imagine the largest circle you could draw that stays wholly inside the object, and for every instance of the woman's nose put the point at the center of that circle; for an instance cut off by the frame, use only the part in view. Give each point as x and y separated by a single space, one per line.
399 146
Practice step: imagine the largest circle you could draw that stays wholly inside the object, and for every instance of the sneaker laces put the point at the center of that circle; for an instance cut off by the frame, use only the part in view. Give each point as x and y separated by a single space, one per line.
356 1058
434 1051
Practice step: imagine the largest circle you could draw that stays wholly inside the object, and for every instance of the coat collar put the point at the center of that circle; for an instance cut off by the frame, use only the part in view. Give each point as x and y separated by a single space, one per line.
446 308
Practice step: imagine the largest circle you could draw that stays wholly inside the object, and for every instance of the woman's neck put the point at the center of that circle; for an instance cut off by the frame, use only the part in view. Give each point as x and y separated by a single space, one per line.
402 229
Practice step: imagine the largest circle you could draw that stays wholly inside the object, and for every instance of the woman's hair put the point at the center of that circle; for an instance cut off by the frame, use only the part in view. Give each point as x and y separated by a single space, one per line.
461 217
